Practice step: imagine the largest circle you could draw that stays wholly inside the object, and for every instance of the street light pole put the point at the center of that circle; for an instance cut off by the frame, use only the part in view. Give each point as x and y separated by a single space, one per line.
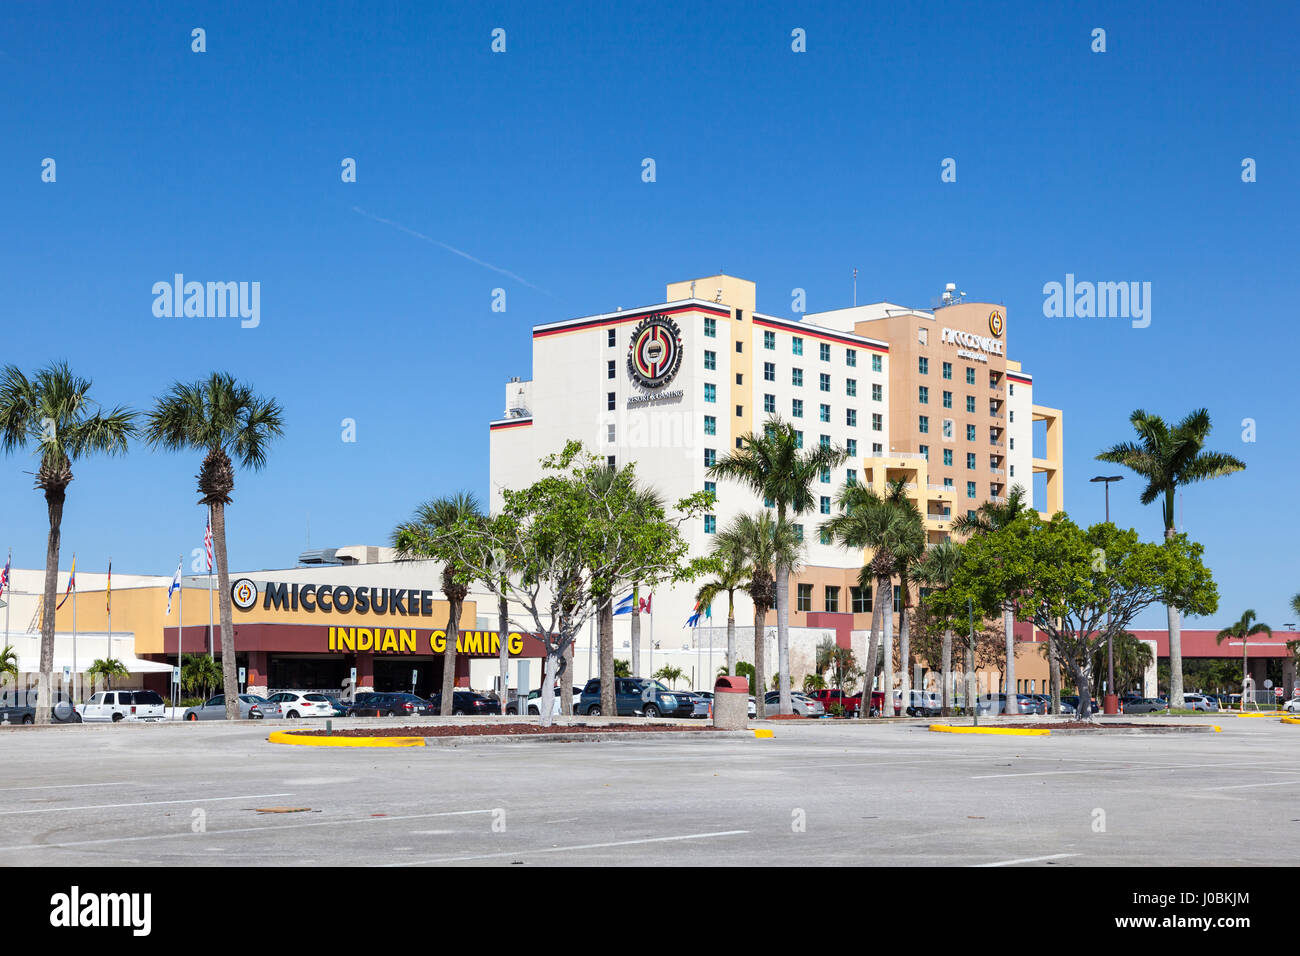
1106 705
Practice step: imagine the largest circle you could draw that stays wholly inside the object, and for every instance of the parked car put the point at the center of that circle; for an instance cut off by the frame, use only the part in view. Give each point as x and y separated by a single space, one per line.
294 704
251 707
1143 705
922 703
1046 701
339 707
1202 702
465 702
800 703
119 705
372 704
1030 704
534 701
637 696
1073 701
61 713
832 697
991 704
1292 706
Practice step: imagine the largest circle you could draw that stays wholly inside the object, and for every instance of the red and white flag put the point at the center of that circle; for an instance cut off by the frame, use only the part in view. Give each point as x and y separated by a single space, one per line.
207 543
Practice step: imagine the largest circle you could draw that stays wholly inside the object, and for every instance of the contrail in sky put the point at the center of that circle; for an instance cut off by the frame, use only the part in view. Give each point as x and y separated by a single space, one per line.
437 242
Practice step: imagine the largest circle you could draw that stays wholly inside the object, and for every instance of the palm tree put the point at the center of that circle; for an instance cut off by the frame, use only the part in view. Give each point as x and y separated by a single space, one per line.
9 667
905 558
892 533
107 670
989 517
1169 458
767 543
1132 658
224 419
772 465
199 672
668 672
733 573
1243 631
419 538
936 569
54 413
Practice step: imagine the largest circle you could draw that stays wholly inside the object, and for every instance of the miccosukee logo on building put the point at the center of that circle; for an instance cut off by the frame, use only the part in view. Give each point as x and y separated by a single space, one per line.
330 599
996 322
655 353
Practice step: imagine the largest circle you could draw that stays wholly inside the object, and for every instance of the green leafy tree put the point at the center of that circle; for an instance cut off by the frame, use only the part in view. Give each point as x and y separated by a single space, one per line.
107 670
1243 630
731 573
813 682
936 570
1132 658
838 666
773 465
1169 458
54 414
9 667
622 668
229 423
670 673
200 674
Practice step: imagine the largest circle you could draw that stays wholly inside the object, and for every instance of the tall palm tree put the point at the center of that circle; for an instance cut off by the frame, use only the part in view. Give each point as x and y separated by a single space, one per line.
230 423
989 517
892 533
905 560
733 573
1243 630
774 466
53 412
419 538
767 543
1169 458
936 569
107 669
9 667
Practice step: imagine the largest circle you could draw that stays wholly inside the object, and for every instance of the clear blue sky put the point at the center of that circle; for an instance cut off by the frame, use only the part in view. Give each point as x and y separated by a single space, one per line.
787 169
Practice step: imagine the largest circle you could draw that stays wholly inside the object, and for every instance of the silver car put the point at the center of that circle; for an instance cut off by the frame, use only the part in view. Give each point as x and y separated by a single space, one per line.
801 705
251 707
1200 702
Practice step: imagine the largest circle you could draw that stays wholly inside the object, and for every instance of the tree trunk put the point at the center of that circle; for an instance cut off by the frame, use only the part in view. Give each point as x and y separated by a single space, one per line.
873 644
54 498
1008 624
503 652
546 700
605 627
1176 647
1054 674
566 692
886 596
731 635
947 672
760 623
972 692
782 639
905 655
229 672
636 634
449 657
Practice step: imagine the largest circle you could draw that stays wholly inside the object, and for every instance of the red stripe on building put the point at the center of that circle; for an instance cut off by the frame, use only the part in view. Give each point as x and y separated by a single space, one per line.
829 336
633 317
494 426
1016 378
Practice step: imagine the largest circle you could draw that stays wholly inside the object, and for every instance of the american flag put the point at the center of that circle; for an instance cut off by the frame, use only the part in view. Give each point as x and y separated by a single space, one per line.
207 543
4 575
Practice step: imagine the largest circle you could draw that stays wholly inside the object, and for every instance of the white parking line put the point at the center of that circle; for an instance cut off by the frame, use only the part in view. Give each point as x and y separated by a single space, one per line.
564 849
1050 773
1248 786
69 786
150 803
1027 859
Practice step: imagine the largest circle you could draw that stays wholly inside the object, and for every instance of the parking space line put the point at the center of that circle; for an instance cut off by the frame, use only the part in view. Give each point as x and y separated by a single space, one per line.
150 803
70 786
1027 859
1050 773
1248 786
564 849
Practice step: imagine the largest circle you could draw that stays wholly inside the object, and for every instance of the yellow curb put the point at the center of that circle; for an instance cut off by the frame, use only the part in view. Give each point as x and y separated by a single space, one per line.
1008 731
1291 720
762 734
1216 728
1271 713
302 740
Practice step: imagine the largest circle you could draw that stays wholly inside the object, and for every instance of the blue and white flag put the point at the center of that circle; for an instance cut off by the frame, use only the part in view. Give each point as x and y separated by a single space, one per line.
174 586
624 606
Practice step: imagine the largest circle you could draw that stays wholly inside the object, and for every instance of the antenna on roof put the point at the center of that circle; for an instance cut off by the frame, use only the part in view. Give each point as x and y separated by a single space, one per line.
855 288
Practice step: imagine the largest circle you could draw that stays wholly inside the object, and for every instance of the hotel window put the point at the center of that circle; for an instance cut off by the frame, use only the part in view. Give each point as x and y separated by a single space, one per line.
1013 471
824 382
923 365
861 598
710 392
711 487
805 598
796 376
925 452
825 413
970 375
610 463
1012 443
769 372
798 438
1011 416
740 411
851 417
851 358
970 489
923 336
740 443
832 599
851 387
710 524
825 505
947 457
970 515
970 461
923 394
609 434
878 422
877 363
1011 390
947 370
768 503
609 369
947 399
851 446
922 424
825 476
740 378
710 425
769 340
898 600
710 328
970 432
823 536
609 337
796 407
710 359
947 482
798 532
851 477
877 392
796 345
947 429
877 448
824 441
970 404
824 351
769 404
740 346
609 401
710 457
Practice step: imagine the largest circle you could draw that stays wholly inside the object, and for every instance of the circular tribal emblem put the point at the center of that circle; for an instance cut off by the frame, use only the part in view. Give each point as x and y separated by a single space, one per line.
655 354
995 322
244 593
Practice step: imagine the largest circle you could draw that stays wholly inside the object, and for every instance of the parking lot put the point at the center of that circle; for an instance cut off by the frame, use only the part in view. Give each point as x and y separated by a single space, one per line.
817 792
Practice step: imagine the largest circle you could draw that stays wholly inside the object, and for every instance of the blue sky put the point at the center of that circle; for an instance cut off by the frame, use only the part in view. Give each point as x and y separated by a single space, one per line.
787 169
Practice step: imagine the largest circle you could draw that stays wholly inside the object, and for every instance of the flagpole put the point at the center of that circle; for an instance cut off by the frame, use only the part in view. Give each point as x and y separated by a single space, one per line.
73 582
180 636
8 604
109 588
207 549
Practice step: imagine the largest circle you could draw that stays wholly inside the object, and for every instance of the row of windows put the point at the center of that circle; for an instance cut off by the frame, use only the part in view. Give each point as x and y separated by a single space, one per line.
923 366
823 351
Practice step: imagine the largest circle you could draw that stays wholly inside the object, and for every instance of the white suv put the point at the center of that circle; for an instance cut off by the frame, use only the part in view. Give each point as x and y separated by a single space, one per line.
1200 702
294 704
119 705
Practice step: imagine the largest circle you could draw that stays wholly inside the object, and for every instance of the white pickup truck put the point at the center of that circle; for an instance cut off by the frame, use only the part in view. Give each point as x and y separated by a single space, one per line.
118 705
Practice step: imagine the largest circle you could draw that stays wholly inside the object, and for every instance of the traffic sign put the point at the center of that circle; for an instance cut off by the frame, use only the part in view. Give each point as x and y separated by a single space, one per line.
176 675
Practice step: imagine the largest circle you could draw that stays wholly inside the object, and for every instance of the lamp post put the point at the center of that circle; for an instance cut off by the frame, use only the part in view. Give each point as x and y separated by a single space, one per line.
1110 701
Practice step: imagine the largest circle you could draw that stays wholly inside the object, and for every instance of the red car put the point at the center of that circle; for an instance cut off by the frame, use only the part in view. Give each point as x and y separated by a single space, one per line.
851 703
